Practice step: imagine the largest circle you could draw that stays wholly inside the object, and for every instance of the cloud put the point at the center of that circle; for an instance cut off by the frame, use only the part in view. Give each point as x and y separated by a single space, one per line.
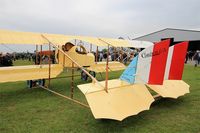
105 18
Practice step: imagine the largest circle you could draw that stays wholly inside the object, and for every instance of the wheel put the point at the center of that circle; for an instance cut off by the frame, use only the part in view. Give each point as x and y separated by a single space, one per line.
29 83
84 76
41 82
92 73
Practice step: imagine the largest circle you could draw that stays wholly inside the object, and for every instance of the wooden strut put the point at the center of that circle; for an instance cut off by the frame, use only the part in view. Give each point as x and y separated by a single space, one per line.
36 55
107 61
63 60
97 53
49 65
93 79
72 81
56 55
40 54
107 74
66 97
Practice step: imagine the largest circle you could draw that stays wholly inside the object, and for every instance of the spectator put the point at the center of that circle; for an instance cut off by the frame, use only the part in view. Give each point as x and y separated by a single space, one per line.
101 56
190 54
109 57
6 60
105 55
186 57
196 58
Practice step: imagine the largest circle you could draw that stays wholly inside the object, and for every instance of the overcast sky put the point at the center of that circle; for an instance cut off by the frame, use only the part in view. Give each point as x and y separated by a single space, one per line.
100 18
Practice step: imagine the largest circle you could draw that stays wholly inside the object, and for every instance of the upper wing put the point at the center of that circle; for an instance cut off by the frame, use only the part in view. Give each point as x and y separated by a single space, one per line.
15 37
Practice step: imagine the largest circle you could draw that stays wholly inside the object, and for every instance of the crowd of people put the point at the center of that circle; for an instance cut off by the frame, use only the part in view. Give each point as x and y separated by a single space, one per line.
113 55
116 55
7 59
193 56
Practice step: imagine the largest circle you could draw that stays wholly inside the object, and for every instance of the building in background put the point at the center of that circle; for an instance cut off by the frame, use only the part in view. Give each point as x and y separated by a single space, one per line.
177 35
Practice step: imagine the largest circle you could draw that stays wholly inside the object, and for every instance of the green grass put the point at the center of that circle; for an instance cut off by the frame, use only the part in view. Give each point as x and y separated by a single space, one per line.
22 62
36 110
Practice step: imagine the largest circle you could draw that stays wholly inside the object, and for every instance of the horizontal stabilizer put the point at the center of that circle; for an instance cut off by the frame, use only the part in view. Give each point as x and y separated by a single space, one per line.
171 88
121 101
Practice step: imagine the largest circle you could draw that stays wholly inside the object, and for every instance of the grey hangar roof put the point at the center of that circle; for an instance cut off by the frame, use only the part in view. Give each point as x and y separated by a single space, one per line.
177 34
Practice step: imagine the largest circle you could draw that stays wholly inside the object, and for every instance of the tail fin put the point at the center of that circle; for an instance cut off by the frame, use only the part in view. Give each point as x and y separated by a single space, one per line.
149 65
173 86
129 74
175 61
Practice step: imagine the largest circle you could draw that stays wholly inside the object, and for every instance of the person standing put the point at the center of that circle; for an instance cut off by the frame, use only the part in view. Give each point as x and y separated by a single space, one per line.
196 58
101 56
186 57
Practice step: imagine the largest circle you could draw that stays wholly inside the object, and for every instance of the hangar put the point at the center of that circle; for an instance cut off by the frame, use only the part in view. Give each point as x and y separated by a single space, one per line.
176 35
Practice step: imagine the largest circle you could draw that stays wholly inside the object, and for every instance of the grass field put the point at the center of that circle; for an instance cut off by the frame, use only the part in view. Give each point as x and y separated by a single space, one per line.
36 110
22 62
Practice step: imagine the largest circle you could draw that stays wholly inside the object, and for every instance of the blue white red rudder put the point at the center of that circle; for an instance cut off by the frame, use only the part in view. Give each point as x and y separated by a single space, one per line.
149 66
157 63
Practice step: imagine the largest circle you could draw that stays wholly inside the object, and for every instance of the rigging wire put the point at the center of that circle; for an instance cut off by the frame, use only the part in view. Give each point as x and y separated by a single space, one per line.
8 48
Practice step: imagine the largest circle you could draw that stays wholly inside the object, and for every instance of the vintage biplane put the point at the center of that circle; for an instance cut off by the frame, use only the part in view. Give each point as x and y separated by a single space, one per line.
158 67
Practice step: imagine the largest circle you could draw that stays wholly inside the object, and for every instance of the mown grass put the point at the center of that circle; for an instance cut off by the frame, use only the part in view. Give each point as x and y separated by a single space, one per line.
22 62
36 110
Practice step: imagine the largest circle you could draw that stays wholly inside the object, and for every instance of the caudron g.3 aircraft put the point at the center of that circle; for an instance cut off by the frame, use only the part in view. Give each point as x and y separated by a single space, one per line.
158 67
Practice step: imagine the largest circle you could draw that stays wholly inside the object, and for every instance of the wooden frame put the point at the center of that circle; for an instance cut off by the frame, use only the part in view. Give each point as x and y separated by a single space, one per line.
49 65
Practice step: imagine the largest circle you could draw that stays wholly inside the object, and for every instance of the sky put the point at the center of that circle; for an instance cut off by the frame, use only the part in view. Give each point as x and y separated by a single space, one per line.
98 18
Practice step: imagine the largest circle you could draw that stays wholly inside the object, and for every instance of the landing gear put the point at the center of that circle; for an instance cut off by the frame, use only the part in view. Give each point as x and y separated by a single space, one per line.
34 83
41 82
84 76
